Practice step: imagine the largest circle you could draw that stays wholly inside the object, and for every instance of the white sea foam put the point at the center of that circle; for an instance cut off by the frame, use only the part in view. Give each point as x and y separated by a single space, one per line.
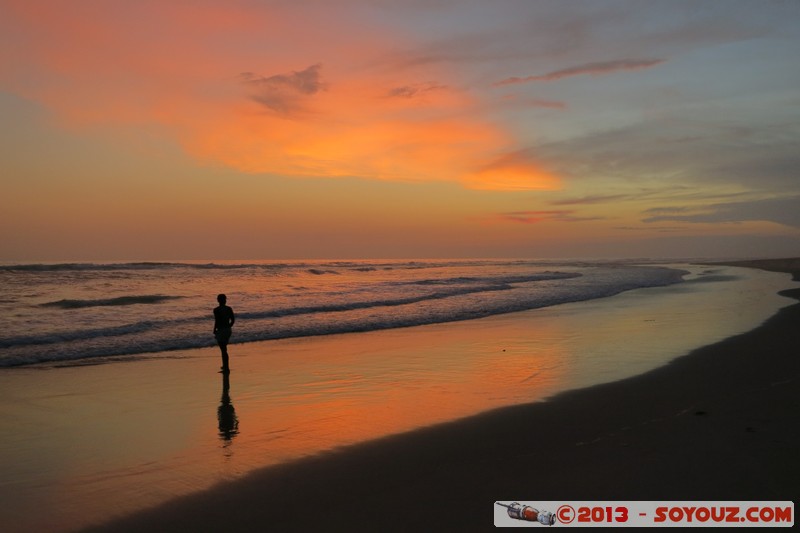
66 312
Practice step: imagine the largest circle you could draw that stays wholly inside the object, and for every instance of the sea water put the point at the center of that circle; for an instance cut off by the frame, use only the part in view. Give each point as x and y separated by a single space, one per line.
113 402
58 313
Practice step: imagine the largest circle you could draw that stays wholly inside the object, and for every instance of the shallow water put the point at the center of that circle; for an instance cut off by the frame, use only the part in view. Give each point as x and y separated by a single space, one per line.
85 443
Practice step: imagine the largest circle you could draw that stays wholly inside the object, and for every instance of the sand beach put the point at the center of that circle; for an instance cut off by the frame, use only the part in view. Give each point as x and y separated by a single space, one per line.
719 424
166 443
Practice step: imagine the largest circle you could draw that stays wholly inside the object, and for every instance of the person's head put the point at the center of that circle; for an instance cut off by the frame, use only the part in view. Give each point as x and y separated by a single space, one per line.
221 298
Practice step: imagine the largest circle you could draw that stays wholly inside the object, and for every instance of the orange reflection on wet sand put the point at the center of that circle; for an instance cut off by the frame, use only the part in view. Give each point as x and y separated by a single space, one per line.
375 384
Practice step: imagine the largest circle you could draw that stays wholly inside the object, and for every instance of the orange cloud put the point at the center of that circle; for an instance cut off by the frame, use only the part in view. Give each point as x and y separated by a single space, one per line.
514 171
351 129
268 88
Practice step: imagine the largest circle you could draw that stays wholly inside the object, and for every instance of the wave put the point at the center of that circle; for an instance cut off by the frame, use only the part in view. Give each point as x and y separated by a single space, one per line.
110 302
76 335
80 267
314 267
384 305
507 280
478 285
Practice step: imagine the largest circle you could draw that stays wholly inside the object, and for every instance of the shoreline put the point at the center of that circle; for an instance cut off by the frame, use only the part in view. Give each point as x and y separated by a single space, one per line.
720 423
788 265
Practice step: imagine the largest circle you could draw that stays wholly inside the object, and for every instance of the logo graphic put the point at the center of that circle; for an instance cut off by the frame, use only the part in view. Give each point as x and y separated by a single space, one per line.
565 514
529 514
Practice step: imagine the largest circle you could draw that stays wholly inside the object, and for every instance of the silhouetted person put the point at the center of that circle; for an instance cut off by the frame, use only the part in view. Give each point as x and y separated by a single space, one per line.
223 322
226 415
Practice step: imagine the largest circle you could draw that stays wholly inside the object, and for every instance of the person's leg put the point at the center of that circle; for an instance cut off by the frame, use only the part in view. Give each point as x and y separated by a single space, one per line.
223 347
223 336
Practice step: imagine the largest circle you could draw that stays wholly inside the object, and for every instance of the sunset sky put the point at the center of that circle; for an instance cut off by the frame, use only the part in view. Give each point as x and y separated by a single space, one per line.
294 129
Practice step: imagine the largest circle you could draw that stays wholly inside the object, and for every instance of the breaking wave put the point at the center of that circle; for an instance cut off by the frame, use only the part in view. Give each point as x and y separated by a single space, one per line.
110 302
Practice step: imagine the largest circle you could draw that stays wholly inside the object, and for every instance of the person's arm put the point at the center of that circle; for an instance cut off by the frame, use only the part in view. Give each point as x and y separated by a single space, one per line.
232 317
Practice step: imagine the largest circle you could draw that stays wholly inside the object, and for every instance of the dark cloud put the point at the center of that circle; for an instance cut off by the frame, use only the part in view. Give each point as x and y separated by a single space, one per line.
593 69
415 90
597 199
547 104
284 93
523 102
533 217
784 211
651 229
666 211
690 152
529 34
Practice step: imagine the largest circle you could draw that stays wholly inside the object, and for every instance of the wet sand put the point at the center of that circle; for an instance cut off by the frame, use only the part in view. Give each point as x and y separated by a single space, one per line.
722 423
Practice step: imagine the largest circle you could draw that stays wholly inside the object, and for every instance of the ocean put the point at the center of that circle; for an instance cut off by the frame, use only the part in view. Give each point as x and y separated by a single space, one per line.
80 312
114 404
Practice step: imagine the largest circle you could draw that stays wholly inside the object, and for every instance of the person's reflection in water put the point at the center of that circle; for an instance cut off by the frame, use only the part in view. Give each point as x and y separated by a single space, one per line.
226 414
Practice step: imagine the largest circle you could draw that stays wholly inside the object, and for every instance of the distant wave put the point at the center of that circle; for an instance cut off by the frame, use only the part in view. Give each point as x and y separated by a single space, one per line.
466 286
368 305
461 280
73 267
107 302
315 267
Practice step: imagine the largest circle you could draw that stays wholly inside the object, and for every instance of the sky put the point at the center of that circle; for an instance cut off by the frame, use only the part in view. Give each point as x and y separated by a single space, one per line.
312 129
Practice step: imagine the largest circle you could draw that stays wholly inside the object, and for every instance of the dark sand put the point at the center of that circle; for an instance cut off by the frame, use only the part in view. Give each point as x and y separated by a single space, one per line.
722 423
790 265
